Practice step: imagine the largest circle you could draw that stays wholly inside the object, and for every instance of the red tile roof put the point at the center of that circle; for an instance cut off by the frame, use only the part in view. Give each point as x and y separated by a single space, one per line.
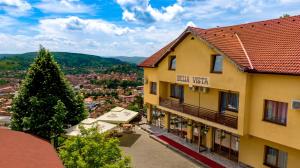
271 46
21 150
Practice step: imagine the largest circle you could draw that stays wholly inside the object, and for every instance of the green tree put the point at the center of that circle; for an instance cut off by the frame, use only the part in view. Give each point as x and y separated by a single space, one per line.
3 82
57 121
46 103
91 150
285 15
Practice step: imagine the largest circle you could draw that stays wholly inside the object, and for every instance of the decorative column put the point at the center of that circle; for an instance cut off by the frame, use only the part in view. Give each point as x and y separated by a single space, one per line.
189 131
209 139
167 121
149 113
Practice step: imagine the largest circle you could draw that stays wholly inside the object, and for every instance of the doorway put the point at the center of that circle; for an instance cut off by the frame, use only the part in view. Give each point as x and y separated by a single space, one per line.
226 144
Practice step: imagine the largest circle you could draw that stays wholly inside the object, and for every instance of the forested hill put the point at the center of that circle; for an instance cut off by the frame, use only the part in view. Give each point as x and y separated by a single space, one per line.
71 63
134 60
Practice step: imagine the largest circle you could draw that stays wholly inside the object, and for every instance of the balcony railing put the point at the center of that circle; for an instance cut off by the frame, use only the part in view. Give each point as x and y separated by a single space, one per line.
204 113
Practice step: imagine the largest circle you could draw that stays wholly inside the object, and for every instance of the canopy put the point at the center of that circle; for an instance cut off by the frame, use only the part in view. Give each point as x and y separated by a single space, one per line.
5 119
89 123
118 115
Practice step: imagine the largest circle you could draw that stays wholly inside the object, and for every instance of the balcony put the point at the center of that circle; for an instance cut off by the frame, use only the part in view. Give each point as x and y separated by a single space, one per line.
204 113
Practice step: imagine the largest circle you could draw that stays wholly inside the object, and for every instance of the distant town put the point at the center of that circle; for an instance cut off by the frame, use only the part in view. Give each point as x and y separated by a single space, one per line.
101 91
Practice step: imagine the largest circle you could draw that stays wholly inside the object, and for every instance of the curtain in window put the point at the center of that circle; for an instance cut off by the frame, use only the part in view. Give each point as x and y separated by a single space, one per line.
271 156
282 159
233 101
177 91
276 111
223 101
153 87
271 110
282 112
173 63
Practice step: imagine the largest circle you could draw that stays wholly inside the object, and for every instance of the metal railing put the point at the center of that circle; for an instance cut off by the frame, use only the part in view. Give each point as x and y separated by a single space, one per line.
204 113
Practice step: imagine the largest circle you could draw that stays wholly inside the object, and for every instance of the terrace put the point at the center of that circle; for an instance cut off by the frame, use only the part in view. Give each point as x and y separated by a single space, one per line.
204 113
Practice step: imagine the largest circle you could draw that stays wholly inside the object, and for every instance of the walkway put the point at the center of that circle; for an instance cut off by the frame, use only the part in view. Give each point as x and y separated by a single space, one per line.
147 153
210 155
190 152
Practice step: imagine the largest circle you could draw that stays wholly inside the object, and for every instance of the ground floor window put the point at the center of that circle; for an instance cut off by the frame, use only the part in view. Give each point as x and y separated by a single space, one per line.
275 158
226 144
158 118
178 125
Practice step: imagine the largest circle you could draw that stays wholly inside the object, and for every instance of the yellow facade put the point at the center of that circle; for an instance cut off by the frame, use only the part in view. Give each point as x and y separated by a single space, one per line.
194 58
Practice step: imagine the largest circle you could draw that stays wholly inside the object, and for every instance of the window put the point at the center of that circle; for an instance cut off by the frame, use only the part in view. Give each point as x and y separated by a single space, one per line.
217 64
275 112
153 88
176 91
275 158
229 101
172 65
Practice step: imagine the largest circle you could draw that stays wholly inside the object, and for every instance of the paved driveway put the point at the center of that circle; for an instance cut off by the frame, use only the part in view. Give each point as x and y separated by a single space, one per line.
147 153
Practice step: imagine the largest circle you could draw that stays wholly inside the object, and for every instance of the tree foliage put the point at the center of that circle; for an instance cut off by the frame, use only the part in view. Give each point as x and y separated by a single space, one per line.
285 15
91 150
3 82
46 102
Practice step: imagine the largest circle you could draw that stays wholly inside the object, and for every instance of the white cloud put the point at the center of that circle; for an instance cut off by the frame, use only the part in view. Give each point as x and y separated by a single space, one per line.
145 28
190 23
63 6
128 16
15 7
6 21
289 1
88 26
168 13
142 11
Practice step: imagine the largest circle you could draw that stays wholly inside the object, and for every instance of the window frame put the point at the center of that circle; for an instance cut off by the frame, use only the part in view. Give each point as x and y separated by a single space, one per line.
276 121
170 63
151 88
227 98
212 69
277 157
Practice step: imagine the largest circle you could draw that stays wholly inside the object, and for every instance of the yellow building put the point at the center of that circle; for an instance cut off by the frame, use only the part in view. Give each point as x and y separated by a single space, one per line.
233 90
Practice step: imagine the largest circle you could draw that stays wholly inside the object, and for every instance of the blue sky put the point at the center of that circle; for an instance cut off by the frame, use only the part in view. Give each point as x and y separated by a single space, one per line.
121 27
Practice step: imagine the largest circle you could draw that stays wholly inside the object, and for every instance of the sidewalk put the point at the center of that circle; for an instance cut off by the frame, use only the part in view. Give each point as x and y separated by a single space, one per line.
158 132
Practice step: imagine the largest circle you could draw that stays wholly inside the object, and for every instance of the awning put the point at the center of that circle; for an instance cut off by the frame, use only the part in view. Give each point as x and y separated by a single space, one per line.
89 123
5 119
118 115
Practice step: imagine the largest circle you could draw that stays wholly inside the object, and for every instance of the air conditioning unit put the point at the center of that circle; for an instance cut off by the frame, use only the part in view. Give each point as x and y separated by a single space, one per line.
204 89
296 104
194 88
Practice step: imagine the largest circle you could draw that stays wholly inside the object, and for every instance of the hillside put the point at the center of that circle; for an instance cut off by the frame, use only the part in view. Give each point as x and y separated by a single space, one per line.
71 63
133 60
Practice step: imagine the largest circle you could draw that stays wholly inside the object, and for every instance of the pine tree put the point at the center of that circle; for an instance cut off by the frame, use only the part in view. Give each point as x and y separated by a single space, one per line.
46 102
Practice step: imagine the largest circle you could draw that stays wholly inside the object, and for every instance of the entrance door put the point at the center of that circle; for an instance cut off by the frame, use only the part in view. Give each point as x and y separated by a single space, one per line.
199 138
226 144
202 137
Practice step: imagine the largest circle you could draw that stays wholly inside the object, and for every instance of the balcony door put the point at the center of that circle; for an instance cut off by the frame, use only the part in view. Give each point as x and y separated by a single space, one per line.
177 92
229 102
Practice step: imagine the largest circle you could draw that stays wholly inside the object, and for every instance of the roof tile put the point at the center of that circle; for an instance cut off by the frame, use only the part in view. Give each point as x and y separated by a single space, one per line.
273 46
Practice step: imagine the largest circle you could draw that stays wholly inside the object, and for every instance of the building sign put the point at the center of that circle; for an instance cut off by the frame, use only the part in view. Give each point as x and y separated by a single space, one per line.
183 79
193 80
